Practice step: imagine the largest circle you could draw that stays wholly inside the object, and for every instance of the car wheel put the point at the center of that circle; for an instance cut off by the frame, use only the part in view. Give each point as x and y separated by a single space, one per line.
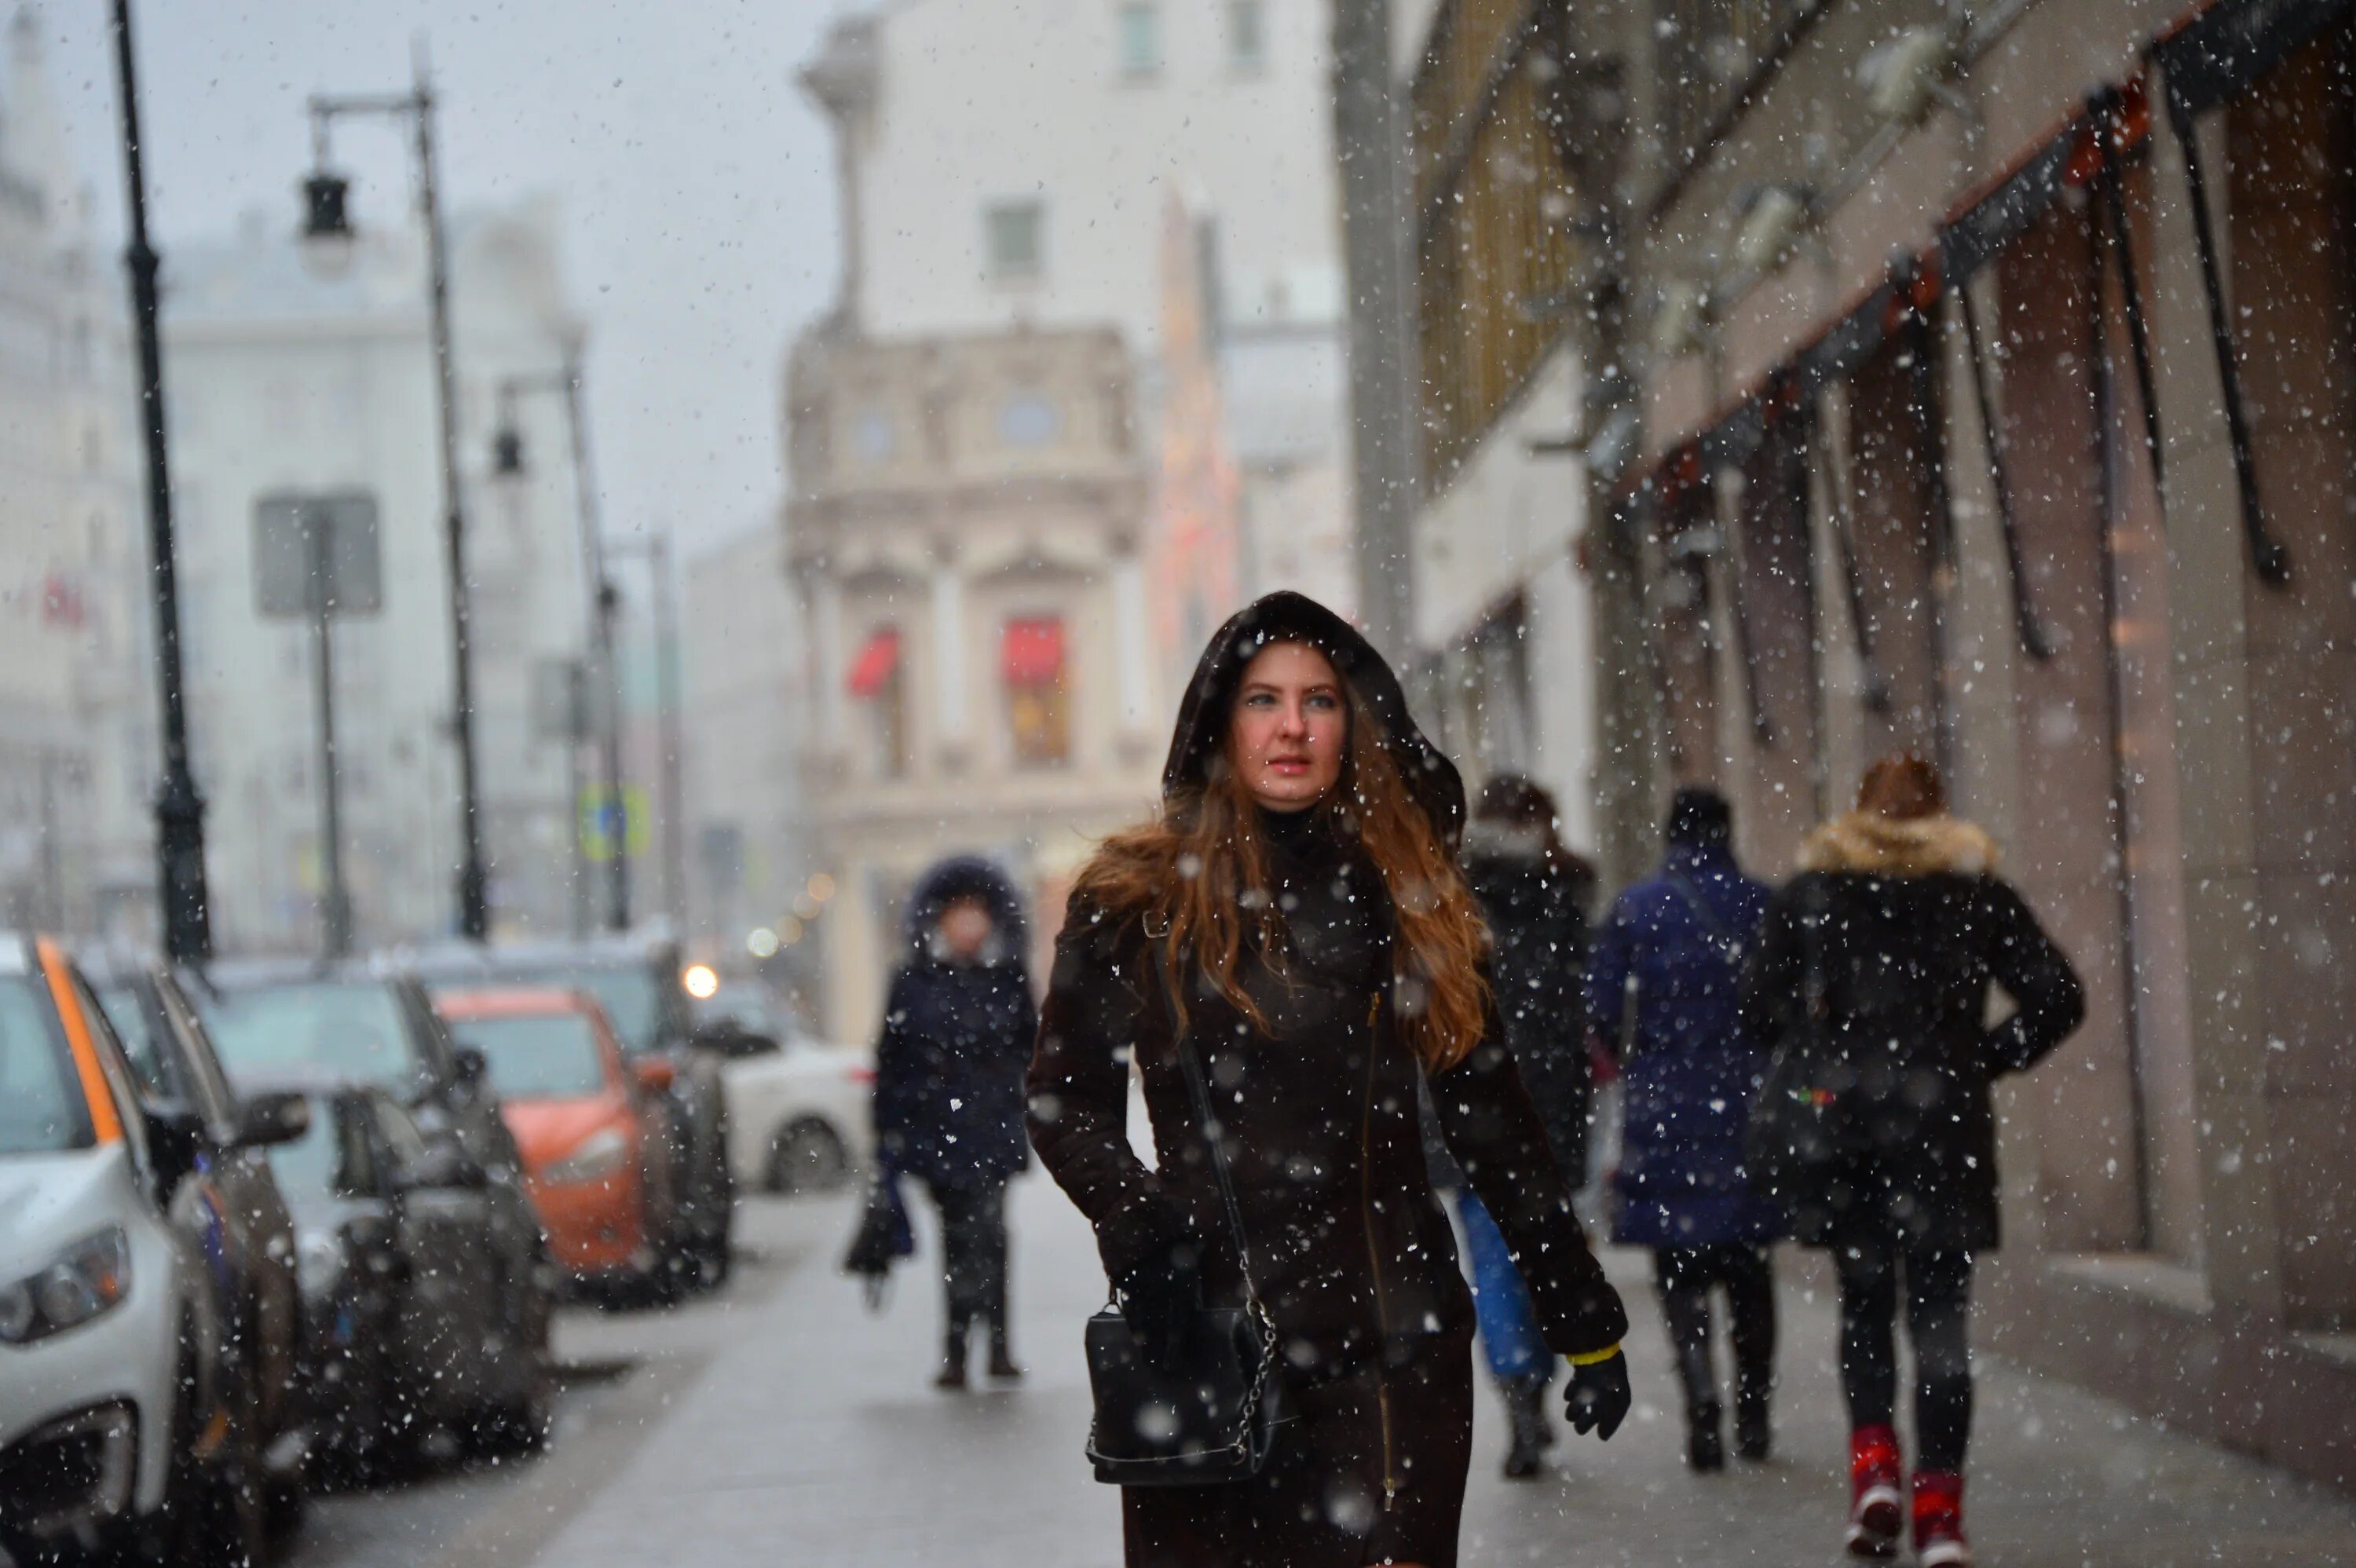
807 1156
215 1514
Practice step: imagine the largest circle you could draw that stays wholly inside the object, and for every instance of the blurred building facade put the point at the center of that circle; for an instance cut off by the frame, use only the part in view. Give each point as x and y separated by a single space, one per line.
747 697
1084 391
1915 397
282 380
76 725
967 533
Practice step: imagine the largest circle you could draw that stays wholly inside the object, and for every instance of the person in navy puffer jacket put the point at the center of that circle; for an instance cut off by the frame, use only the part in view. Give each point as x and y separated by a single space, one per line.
957 1031
1664 994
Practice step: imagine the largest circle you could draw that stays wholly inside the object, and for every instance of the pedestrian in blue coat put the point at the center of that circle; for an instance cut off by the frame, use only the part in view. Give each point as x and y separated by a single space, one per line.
957 1030
1664 994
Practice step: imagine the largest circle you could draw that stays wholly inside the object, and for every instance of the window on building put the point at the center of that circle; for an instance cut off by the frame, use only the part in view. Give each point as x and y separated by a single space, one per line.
1013 239
1140 27
1028 420
1038 697
877 681
1247 35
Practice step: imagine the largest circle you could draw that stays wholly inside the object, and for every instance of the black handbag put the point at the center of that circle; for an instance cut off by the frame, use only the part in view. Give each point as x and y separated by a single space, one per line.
1211 1419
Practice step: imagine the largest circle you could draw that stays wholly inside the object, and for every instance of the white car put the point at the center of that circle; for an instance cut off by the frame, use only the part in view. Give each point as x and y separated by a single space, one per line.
799 1112
105 1313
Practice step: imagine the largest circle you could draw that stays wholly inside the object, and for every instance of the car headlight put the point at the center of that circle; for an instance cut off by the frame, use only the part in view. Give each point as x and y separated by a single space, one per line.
78 1284
594 1158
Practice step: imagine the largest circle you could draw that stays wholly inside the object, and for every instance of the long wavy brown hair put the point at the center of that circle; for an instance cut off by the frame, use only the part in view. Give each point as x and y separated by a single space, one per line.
1198 874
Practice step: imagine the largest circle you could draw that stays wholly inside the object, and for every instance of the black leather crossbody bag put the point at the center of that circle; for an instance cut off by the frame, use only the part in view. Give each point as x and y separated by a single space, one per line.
1213 1418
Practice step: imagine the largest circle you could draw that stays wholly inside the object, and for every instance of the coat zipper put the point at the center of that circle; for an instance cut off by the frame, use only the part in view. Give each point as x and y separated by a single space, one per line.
1373 1255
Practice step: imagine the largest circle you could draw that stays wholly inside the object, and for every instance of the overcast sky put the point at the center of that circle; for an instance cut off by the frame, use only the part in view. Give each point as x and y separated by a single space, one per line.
695 178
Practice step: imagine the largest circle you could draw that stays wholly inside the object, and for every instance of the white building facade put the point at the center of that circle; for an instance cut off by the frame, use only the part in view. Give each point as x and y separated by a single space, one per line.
283 381
76 719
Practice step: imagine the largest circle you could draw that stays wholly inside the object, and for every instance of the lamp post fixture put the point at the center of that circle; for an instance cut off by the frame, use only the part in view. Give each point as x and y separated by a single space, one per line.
327 239
179 806
507 460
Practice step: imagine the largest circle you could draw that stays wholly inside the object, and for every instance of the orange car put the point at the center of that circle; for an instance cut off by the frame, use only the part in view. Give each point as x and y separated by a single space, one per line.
587 1125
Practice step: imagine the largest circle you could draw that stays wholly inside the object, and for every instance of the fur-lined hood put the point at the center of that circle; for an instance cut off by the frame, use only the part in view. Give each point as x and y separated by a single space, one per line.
1873 845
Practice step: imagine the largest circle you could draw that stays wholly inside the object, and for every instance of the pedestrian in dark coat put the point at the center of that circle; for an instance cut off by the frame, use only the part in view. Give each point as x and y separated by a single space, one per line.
957 1028
1535 895
1664 990
1875 966
1295 918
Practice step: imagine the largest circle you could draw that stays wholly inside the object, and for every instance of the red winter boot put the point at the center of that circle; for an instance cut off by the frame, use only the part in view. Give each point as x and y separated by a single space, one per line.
1939 1519
1876 1510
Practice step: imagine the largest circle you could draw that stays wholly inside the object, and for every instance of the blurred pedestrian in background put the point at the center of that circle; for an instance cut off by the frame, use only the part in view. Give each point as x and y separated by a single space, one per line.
1664 994
957 1031
1872 977
1535 893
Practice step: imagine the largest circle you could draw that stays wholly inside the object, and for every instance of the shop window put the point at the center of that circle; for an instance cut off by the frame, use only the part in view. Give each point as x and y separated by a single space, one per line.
1038 697
879 682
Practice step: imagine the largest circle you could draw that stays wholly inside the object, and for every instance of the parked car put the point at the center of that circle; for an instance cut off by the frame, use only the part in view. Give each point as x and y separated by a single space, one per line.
800 1116
592 1130
636 981
226 1195
283 1026
128 1416
397 1238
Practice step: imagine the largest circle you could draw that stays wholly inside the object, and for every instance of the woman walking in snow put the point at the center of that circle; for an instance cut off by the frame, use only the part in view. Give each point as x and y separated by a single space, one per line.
957 1028
1873 975
1294 920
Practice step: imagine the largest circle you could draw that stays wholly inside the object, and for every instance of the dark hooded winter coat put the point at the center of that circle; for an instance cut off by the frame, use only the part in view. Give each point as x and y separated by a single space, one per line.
1318 1121
1690 1067
1907 927
956 1037
1536 911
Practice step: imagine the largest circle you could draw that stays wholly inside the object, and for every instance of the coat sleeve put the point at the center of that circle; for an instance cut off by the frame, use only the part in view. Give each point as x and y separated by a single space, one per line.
1607 977
1772 977
895 1069
2048 1000
1078 1106
1494 1132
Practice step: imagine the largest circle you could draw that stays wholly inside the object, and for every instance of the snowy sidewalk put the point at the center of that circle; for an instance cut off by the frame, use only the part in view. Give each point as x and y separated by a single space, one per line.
812 1440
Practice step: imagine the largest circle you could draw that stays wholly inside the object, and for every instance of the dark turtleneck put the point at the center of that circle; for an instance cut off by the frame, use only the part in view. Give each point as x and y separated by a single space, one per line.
1336 916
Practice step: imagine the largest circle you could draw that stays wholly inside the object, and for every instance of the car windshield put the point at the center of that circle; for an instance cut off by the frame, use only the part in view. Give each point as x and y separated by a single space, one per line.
41 1105
539 1056
633 1006
347 1030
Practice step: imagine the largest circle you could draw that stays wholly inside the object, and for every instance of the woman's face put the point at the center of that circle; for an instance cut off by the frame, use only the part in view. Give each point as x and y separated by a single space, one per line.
965 927
1289 723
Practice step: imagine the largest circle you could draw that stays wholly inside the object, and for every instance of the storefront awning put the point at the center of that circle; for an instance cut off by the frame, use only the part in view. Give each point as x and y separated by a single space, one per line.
1031 653
877 662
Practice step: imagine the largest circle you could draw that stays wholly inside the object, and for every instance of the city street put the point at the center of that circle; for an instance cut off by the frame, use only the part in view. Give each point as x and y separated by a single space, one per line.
778 1423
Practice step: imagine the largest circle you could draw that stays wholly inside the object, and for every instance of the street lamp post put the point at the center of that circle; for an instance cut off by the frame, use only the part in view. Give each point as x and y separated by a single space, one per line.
508 458
179 806
327 228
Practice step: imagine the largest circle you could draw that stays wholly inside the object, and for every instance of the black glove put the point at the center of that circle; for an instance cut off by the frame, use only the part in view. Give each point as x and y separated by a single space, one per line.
1160 1294
1597 1397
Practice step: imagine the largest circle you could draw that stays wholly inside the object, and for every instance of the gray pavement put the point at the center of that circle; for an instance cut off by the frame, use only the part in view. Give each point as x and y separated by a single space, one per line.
779 1424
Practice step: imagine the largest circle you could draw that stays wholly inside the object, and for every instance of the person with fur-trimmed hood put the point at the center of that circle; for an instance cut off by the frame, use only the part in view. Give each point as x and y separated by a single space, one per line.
958 1029
1875 964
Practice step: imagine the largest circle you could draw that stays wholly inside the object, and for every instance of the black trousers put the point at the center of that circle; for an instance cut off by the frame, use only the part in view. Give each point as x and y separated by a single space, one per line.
1938 1320
973 1261
1686 1276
